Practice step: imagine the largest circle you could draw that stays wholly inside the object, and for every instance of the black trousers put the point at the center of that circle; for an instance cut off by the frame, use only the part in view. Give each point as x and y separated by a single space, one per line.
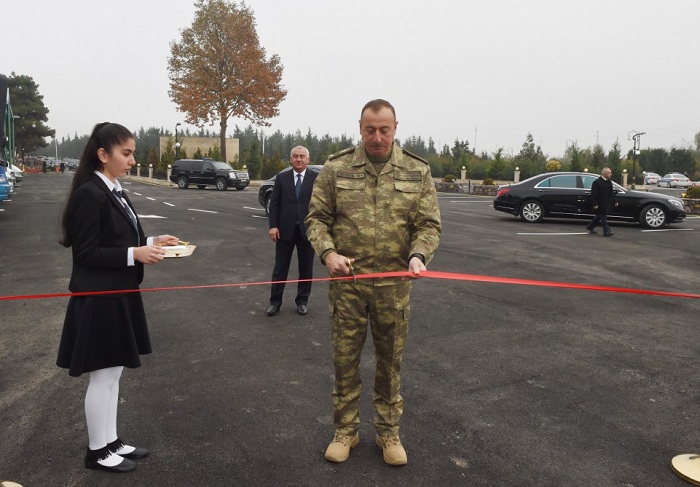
283 258
601 218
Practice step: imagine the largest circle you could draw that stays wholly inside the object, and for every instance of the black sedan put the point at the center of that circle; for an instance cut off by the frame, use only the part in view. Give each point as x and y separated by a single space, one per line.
265 191
568 195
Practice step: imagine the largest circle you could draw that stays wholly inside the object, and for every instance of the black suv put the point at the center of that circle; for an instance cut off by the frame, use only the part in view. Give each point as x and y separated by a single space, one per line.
202 172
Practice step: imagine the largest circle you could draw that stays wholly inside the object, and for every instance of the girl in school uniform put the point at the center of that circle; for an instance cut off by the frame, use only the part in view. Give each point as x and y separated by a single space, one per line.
104 333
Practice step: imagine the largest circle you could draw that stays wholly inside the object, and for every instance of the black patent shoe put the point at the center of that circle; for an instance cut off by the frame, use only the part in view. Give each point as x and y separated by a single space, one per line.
93 457
117 445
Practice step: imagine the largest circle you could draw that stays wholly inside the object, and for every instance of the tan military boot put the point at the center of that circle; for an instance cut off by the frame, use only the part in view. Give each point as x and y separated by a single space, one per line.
339 449
394 453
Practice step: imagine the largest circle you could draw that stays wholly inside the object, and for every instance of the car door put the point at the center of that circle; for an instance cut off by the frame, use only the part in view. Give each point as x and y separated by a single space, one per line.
559 194
196 172
208 174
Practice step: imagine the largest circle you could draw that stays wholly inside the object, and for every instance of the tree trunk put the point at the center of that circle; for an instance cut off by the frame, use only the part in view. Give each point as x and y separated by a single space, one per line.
222 138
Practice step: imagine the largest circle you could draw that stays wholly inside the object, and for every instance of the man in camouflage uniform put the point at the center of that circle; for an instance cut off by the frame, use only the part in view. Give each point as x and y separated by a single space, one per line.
373 209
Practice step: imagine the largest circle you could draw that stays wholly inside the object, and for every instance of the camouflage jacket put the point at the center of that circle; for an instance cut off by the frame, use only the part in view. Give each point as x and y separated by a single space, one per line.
377 219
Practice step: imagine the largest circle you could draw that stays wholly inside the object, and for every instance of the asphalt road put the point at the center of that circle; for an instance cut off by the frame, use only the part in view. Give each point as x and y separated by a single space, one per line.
503 384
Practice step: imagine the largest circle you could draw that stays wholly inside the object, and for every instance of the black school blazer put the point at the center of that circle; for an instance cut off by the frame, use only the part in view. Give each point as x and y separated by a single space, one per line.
101 232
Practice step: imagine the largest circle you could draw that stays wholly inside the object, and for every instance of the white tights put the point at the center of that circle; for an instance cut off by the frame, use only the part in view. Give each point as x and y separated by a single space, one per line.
101 402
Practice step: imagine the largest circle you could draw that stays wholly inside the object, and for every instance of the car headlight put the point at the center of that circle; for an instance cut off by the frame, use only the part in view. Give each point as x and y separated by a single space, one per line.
678 204
232 175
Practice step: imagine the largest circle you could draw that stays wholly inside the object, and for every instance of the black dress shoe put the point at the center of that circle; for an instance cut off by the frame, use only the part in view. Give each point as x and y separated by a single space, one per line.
273 309
609 234
117 445
92 458
302 310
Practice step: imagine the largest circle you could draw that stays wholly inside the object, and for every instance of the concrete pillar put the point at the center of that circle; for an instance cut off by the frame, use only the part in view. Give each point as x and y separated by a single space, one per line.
150 171
624 178
516 175
170 170
138 170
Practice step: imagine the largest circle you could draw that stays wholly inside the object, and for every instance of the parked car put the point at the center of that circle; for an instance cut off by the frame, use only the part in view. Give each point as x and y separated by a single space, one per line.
4 185
265 191
203 172
651 178
568 194
19 175
674 180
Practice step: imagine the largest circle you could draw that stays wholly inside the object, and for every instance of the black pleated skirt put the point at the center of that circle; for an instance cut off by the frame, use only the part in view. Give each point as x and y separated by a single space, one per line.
103 331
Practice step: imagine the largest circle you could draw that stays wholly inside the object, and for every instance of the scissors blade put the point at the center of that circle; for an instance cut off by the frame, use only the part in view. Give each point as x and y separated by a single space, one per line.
352 271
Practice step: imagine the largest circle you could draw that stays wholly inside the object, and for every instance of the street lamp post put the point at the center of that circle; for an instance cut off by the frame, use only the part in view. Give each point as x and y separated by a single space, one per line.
13 141
635 150
177 144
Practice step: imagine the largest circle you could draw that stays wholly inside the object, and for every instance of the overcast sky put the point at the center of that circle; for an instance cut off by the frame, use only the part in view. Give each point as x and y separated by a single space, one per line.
486 71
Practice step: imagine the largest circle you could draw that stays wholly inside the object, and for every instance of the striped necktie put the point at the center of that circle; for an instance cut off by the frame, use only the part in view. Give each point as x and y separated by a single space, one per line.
129 212
297 187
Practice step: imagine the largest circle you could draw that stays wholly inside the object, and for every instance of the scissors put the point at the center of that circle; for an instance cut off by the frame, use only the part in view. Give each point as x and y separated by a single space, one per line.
354 279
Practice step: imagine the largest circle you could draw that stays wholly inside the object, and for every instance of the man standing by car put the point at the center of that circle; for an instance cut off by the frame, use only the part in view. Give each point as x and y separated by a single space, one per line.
374 209
602 202
289 205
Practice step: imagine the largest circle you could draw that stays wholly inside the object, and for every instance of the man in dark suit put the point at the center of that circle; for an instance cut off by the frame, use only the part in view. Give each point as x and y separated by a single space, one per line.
602 202
289 205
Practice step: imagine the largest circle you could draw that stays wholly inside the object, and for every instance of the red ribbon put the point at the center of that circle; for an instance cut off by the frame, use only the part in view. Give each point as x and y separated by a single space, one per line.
403 274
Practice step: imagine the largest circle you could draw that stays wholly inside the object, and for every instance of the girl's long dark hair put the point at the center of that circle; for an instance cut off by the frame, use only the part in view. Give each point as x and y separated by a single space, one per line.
104 136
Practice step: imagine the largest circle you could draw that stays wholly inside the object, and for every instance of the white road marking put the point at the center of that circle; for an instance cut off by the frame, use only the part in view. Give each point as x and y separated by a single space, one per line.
169 204
258 216
152 216
470 201
137 194
202 211
552 233
251 208
149 198
670 230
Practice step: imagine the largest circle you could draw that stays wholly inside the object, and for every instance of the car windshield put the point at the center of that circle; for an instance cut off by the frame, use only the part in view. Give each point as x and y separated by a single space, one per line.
221 166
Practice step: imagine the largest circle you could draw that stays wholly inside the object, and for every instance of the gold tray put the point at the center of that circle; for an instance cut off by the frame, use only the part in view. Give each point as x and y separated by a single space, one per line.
179 250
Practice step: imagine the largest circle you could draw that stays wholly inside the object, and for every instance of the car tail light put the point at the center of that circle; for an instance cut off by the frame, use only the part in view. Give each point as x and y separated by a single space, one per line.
502 192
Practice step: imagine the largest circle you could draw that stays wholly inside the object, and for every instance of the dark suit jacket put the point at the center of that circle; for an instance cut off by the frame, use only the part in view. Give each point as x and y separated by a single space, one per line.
101 233
285 209
602 195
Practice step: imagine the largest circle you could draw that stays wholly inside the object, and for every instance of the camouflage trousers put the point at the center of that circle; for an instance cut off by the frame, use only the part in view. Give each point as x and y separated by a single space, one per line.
386 309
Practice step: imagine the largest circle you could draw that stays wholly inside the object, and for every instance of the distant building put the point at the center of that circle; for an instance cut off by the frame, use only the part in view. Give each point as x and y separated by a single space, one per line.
191 144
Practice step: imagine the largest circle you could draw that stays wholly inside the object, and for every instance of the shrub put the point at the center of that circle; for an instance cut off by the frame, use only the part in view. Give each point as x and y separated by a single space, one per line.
693 192
488 182
449 178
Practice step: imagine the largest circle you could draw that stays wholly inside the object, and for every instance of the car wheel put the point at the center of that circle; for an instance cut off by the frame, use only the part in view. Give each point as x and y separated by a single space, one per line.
201 186
652 216
182 182
221 184
532 211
